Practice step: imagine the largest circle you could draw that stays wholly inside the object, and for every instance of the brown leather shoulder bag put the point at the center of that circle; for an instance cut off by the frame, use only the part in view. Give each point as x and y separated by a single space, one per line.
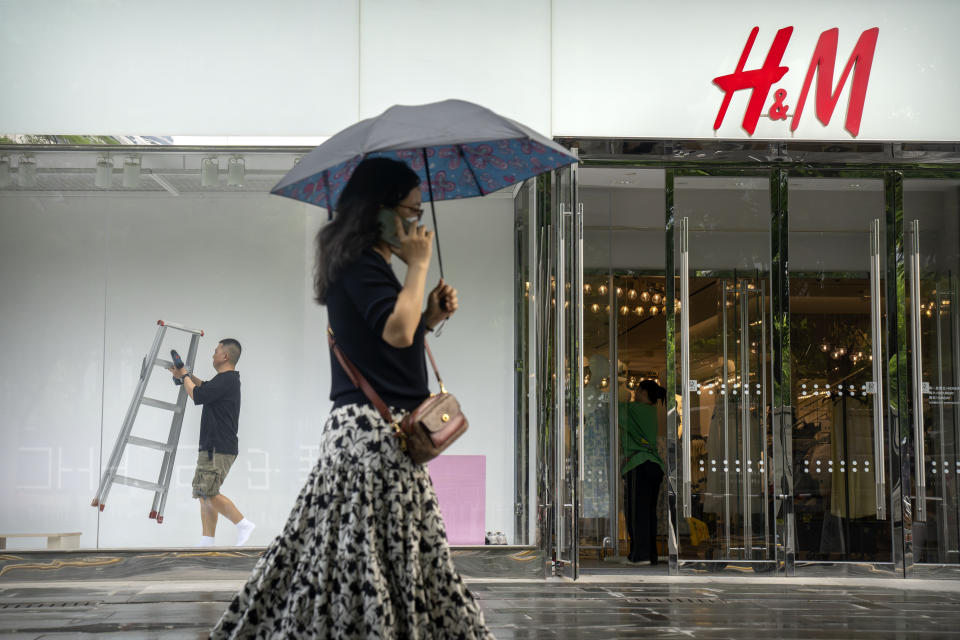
428 430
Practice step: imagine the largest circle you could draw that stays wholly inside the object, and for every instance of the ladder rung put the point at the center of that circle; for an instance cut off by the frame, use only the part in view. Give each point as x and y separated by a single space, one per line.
160 404
166 364
140 484
152 444
174 325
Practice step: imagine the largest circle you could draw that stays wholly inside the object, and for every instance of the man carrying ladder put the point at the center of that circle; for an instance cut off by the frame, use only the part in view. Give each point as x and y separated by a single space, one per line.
219 423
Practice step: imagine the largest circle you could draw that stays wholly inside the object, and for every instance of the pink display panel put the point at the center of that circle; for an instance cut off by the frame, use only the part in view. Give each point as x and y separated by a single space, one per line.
460 482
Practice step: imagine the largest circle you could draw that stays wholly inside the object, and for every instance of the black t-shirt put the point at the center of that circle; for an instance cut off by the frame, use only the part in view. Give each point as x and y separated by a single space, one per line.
219 422
358 305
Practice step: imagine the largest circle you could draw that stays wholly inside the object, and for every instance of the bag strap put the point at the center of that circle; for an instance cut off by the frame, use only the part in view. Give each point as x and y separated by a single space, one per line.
433 363
361 383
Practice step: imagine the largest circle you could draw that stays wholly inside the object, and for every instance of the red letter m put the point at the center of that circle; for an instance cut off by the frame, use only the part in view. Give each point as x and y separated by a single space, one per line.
824 61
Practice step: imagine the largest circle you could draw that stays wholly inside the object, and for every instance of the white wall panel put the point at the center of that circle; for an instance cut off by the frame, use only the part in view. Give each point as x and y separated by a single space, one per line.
645 69
86 277
475 351
232 266
238 67
495 53
619 68
51 338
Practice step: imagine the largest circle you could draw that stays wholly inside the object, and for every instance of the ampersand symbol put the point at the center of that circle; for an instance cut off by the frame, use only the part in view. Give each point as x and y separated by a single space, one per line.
778 110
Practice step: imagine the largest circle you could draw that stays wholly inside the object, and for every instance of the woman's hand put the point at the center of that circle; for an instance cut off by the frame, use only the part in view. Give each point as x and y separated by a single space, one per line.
415 249
441 304
416 246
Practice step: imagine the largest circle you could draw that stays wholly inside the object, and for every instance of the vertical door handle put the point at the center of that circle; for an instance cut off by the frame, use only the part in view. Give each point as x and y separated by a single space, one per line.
578 315
686 414
879 450
920 510
560 373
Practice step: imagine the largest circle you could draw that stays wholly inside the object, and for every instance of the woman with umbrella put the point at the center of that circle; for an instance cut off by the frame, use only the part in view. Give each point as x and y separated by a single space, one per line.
364 551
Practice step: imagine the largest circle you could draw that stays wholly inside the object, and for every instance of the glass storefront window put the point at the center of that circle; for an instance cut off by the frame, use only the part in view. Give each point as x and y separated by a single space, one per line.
86 272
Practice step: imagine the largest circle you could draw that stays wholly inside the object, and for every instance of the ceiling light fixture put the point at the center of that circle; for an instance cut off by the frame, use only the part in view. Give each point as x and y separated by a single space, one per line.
209 172
104 176
236 169
131 172
27 171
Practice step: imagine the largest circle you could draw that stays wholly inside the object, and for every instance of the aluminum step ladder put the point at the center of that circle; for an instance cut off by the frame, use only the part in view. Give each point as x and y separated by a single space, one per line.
169 448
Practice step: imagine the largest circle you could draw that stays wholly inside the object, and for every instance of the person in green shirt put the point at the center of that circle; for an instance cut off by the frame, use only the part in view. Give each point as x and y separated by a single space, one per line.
642 469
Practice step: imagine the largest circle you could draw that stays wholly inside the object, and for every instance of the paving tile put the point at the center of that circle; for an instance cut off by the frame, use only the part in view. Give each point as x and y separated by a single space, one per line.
523 609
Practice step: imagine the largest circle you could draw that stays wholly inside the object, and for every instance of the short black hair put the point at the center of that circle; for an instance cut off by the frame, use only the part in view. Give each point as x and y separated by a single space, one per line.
655 392
233 349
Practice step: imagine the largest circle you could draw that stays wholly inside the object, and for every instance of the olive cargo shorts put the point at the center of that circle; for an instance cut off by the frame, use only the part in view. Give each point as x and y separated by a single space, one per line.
210 474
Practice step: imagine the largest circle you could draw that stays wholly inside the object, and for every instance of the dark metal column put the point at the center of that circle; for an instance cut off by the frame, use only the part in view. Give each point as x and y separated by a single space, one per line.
781 469
670 381
898 417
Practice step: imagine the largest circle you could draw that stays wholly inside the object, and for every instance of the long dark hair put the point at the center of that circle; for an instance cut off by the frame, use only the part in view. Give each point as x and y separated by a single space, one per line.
375 183
655 392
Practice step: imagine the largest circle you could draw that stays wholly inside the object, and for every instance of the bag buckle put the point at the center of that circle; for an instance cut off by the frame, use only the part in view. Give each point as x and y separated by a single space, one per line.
401 435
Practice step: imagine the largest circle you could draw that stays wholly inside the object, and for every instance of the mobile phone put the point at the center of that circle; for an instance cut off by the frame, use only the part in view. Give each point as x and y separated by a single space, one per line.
388 226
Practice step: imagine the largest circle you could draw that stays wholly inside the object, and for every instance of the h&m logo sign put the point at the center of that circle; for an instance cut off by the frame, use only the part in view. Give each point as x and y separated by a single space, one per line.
827 94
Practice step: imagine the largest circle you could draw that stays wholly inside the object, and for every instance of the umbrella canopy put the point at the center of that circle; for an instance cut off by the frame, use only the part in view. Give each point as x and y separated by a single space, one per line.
459 150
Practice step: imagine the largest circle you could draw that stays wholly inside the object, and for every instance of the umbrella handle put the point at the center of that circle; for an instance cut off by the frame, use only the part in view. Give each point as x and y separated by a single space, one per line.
433 213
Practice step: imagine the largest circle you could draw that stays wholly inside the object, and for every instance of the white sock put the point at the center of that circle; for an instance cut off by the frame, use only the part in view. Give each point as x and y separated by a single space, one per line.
206 541
244 529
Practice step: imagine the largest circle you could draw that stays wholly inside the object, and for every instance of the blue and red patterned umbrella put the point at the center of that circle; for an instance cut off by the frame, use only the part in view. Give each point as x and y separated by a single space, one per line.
459 150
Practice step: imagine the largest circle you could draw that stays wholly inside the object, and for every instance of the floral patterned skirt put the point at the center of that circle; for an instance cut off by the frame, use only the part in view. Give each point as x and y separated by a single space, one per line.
364 553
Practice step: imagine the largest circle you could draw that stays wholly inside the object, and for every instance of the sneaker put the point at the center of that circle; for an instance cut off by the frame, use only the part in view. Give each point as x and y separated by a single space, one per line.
244 529
638 563
206 541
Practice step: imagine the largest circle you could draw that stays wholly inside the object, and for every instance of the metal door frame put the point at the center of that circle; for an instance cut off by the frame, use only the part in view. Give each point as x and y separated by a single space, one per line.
893 455
910 429
678 476
559 244
898 429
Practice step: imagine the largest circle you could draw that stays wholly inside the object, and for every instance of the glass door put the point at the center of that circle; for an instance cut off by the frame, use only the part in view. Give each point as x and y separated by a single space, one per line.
567 303
844 373
931 217
624 346
722 504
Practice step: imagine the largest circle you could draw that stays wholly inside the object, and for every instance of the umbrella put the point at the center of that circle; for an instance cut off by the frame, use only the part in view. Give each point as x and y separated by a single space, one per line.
459 150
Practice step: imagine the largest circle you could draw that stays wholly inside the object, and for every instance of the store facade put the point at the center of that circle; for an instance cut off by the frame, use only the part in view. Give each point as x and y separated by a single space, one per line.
768 230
